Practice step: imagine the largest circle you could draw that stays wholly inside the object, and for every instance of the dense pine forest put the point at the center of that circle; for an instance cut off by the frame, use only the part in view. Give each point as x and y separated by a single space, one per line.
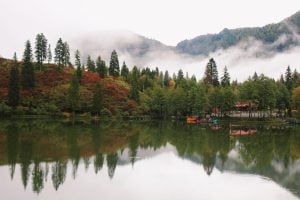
45 82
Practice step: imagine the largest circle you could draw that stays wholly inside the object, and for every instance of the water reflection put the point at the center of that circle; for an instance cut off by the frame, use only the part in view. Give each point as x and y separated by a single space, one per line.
47 150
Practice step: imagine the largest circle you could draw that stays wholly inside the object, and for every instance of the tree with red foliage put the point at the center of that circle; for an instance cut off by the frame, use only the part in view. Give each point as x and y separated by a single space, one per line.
97 99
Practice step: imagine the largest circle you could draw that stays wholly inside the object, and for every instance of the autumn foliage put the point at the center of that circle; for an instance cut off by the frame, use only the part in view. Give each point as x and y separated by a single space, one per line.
52 88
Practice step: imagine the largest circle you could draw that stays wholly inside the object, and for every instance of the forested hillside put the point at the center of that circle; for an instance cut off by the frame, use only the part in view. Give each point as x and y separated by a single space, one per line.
38 86
276 37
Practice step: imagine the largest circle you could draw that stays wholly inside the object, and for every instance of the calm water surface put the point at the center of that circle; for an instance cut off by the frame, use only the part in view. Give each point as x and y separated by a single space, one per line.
45 159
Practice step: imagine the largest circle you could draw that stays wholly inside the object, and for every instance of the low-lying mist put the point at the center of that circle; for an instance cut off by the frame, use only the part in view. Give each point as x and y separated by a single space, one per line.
242 60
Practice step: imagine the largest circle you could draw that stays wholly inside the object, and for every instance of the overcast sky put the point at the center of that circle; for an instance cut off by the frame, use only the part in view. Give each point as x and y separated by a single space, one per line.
168 21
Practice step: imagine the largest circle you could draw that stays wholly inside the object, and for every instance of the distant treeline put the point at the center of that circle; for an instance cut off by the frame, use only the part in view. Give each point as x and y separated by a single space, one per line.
96 88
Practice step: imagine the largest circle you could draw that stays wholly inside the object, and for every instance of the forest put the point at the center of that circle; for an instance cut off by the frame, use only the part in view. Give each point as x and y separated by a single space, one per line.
45 84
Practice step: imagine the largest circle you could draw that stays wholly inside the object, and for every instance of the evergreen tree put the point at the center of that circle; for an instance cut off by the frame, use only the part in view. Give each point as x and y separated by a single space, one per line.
59 54
255 76
78 71
114 69
225 80
211 73
14 85
27 70
90 64
73 94
281 80
97 99
161 79
40 49
101 67
77 59
156 71
49 54
193 78
166 79
66 54
124 71
134 90
295 78
288 79
180 75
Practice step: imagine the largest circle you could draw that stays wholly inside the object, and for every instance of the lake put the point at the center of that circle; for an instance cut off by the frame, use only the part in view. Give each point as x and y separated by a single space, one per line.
53 159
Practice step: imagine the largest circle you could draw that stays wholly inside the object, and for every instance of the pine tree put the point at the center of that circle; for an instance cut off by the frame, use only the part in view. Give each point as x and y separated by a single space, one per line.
73 94
288 79
40 49
90 64
78 71
49 54
66 54
225 80
114 69
97 99
295 77
101 67
14 85
77 59
134 90
27 70
211 73
255 76
180 75
59 54
124 71
166 79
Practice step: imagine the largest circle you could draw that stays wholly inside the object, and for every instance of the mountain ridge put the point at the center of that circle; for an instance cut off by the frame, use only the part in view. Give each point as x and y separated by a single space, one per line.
278 36
272 38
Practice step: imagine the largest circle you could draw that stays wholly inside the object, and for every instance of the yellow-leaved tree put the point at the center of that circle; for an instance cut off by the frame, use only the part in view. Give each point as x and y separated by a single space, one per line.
296 98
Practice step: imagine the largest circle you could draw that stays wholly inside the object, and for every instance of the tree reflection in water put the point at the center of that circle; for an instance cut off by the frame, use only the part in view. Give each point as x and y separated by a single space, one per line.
45 148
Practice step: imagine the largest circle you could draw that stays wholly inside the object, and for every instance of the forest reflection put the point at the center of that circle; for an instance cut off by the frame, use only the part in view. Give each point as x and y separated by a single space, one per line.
45 149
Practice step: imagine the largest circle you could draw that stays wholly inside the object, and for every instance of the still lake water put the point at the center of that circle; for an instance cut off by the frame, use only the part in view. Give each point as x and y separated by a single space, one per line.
48 159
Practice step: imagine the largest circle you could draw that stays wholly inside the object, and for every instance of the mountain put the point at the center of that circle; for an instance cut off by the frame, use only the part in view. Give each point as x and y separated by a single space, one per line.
126 43
275 37
272 38
268 50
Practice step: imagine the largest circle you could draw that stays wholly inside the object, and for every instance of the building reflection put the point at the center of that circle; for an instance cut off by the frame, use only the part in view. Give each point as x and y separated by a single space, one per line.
241 130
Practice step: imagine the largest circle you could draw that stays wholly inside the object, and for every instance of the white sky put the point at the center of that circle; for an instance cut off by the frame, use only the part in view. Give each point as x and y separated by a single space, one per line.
168 21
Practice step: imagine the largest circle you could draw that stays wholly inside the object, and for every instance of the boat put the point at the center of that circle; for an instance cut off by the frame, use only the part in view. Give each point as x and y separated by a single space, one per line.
192 120
199 120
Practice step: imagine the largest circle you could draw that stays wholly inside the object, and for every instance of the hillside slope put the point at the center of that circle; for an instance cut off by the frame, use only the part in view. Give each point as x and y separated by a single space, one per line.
276 37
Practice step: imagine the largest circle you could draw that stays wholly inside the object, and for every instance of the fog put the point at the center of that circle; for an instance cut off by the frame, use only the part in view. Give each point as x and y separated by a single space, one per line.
242 60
